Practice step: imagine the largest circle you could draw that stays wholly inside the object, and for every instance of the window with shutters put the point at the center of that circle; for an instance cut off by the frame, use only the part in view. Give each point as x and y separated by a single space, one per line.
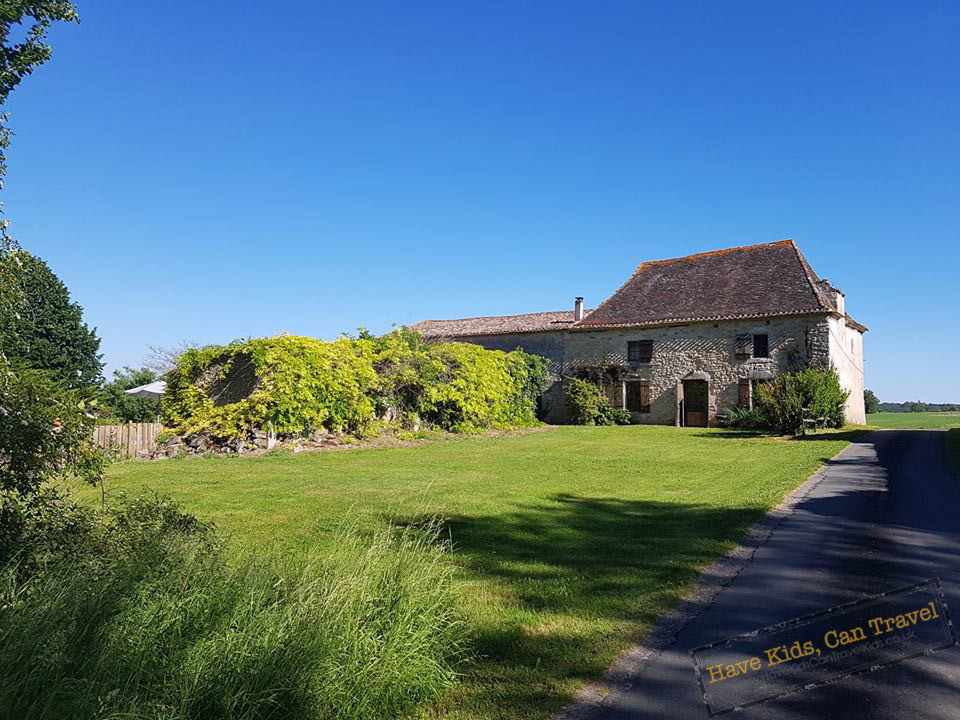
761 346
744 346
638 396
745 395
639 351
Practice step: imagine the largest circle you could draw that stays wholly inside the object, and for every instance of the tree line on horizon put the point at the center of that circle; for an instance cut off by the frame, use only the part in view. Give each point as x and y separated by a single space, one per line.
873 405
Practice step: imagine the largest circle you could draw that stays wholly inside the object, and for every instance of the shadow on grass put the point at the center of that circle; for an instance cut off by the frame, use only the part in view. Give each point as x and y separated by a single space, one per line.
578 579
847 434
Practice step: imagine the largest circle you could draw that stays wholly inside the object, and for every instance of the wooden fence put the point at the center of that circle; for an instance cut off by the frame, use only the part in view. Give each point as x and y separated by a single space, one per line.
132 440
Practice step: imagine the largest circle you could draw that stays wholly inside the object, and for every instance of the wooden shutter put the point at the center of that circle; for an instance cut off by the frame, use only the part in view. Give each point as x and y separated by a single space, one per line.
646 351
639 351
744 393
644 388
744 346
613 393
638 396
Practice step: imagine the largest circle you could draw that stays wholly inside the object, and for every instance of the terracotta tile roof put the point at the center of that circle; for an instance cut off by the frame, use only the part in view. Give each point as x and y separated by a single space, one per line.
496 324
744 282
754 281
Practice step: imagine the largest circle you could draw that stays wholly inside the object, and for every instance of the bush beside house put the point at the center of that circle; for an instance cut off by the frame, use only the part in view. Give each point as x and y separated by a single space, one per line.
587 404
811 398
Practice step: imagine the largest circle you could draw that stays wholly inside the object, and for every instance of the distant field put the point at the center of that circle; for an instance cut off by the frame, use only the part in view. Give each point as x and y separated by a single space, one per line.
914 420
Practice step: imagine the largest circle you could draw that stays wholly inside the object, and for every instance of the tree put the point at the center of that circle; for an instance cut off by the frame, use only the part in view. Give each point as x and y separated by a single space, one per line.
45 422
870 402
162 359
48 333
19 59
45 414
117 404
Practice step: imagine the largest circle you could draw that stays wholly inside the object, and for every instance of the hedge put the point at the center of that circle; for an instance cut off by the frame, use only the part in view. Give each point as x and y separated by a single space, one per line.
298 385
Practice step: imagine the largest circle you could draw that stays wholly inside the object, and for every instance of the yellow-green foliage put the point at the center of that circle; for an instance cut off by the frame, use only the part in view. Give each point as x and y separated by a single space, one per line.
475 388
296 384
299 384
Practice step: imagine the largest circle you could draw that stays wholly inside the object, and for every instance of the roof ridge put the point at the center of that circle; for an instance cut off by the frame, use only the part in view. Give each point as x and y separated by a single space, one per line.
484 317
709 253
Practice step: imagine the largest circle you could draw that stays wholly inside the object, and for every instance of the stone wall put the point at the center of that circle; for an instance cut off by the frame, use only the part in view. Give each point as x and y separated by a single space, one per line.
703 350
846 354
707 349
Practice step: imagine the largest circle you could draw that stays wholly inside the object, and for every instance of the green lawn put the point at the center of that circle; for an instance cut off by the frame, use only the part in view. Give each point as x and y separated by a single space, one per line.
571 540
930 421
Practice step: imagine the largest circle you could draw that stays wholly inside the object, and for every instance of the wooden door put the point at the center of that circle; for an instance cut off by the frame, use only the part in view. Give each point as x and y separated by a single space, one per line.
695 404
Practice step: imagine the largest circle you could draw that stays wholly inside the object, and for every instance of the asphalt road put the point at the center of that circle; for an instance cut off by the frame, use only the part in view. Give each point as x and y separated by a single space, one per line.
886 514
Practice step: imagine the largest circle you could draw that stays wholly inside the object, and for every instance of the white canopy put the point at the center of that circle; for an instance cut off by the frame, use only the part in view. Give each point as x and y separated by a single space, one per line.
150 390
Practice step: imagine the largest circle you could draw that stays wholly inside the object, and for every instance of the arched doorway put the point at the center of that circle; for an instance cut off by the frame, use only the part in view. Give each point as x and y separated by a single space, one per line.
694 391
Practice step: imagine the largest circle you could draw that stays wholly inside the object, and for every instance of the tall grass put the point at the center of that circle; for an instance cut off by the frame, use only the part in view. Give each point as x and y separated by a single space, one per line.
159 626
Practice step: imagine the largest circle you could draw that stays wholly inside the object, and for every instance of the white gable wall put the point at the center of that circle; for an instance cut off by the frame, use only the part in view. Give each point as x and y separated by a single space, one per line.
846 355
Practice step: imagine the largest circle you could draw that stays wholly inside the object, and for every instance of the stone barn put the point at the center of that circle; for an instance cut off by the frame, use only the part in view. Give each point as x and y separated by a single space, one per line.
689 336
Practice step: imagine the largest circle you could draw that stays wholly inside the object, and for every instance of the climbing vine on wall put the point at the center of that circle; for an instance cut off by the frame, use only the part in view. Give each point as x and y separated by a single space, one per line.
296 385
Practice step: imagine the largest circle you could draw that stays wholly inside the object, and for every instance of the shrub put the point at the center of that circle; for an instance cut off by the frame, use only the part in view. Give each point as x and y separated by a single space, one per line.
298 385
529 373
738 418
813 395
405 367
583 401
45 431
476 388
456 386
824 399
610 415
146 619
587 405
295 384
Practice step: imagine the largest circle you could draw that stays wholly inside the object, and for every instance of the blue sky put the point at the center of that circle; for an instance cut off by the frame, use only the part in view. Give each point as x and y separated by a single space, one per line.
206 171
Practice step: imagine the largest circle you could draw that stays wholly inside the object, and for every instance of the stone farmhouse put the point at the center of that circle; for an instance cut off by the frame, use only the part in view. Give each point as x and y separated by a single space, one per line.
691 336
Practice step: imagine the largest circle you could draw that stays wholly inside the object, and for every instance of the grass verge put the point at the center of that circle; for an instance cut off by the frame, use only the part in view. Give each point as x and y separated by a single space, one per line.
570 542
138 616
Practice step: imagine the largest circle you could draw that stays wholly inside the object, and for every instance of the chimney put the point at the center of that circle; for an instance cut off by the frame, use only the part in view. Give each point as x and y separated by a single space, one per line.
577 309
836 296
